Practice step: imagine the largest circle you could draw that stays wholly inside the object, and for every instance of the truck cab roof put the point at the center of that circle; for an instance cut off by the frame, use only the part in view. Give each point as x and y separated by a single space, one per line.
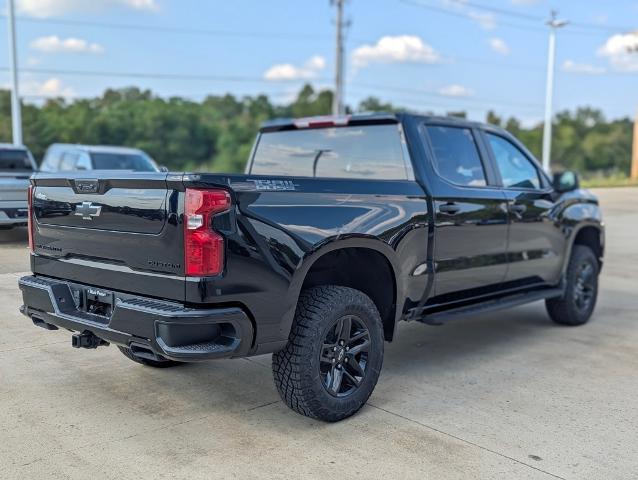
10 146
368 118
98 148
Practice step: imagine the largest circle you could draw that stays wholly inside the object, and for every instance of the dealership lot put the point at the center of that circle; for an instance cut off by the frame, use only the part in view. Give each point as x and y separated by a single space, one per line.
503 395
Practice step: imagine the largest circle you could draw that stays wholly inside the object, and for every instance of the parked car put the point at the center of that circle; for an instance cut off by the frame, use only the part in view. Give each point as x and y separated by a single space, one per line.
62 157
339 229
16 166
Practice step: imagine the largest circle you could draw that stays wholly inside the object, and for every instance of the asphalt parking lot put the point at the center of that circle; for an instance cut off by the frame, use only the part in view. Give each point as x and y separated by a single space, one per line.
505 395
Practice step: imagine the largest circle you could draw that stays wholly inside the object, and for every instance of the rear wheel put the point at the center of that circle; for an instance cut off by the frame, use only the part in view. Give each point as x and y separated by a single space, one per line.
334 354
581 290
162 363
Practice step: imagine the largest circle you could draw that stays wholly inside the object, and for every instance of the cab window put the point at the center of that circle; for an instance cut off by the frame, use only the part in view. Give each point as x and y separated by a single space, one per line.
456 155
517 171
68 160
83 162
363 152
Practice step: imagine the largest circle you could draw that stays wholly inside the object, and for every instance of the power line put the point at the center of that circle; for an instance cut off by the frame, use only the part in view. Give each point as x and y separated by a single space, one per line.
154 76
500 11
535 18
464 14
583 27
430 93
176 30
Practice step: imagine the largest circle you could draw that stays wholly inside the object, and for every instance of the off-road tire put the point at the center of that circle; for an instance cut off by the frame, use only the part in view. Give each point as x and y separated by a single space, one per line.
297 367
145 361
565 310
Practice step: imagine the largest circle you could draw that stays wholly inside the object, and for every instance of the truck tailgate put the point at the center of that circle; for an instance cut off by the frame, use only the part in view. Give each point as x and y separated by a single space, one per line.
110 229
13 187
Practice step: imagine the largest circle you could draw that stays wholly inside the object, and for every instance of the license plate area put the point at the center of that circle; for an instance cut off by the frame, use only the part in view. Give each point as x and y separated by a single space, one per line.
98 302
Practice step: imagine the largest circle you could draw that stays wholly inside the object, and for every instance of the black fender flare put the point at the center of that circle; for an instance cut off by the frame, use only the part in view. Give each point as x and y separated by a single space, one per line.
331 245
573 233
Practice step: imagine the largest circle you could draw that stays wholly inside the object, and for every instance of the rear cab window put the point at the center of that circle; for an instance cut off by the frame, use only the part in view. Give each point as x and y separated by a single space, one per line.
122 161
363 152
15 160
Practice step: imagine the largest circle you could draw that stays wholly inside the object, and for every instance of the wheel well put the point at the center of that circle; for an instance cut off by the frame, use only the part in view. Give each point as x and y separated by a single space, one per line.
590 237
363 269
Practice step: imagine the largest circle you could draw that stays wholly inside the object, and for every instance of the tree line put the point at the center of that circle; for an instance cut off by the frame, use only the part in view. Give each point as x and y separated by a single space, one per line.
216 134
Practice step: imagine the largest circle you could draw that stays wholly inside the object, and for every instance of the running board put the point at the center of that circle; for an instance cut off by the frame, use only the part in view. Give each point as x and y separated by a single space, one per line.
438 318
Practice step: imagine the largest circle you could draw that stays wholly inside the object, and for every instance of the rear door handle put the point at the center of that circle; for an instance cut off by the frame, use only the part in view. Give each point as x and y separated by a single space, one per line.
449 208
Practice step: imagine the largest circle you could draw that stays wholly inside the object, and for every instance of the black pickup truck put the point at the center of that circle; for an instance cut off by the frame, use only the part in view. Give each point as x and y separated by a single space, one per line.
339 229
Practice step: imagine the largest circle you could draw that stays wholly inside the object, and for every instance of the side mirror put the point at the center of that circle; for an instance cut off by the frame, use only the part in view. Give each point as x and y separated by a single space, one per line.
566 181
163 169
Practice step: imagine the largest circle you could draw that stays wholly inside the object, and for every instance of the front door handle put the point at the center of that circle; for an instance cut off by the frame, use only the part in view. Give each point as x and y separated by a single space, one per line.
449 208
518 208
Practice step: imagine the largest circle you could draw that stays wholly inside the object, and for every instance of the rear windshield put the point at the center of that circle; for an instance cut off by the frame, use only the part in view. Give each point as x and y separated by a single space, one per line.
15 160
122 161
370 151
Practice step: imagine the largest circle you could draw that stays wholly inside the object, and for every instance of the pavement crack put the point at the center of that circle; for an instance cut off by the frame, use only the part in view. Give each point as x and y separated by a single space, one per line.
262 406
469 442
248 359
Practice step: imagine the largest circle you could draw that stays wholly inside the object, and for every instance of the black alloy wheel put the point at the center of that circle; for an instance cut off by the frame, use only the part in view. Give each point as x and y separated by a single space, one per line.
344 356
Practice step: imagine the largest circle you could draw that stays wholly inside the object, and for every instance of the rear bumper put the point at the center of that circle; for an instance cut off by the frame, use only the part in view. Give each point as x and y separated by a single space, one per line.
13 213
148 326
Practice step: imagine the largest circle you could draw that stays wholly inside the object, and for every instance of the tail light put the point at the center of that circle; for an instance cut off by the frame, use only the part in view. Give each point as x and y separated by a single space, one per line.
30 218
203 247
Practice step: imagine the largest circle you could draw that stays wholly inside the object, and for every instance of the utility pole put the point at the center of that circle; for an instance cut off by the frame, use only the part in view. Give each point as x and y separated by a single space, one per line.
337 99
554 24
16 117
634 158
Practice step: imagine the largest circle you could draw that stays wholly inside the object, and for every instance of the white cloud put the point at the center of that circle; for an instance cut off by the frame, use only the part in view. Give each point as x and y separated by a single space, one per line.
399 49
622 51
570 66
287 71
316 63
48 8
53 87
455 91
55 44
499 46
487 21
525 3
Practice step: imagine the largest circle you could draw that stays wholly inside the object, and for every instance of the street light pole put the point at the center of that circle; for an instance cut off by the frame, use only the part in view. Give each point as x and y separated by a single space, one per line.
634 154
554 24
16 117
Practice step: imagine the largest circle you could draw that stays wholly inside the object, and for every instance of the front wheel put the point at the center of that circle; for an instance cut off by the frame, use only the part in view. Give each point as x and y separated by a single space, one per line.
334 354
581 290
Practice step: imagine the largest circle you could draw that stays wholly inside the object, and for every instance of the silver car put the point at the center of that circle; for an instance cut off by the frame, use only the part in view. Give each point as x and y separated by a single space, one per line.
61 157
16 166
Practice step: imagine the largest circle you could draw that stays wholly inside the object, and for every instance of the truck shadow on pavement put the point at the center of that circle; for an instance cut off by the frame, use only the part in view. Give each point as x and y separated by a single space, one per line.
419 351
15 236
467 340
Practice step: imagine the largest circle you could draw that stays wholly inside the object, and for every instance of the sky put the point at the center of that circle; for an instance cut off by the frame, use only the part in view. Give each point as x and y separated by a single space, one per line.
426 55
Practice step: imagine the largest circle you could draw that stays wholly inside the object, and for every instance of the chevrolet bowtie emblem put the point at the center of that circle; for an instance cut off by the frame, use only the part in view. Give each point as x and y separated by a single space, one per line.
87 210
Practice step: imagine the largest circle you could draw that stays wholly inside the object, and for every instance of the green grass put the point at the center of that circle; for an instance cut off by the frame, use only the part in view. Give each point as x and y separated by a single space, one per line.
616 180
